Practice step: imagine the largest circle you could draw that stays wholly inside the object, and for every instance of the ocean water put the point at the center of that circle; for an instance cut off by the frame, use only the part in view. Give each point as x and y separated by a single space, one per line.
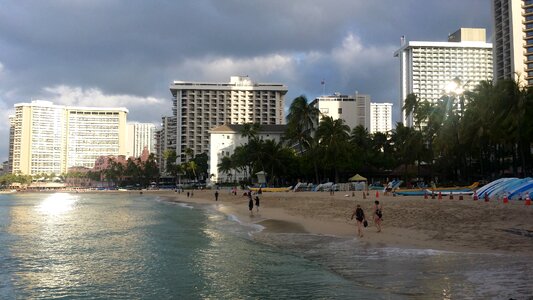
131 246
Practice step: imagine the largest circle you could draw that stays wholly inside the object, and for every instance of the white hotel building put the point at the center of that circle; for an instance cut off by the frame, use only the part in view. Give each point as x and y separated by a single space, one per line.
426 68
201 106
380 117
140 135
353 109
50 138
513 40
224 140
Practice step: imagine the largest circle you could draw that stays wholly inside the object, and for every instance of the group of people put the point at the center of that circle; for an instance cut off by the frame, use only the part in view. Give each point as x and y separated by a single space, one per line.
361 221
251 202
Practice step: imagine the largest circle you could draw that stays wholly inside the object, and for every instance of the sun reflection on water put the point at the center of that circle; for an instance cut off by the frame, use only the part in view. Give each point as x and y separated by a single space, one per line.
57 204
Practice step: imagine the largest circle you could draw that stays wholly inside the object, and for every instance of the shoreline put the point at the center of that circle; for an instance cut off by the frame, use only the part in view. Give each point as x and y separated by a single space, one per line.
409 222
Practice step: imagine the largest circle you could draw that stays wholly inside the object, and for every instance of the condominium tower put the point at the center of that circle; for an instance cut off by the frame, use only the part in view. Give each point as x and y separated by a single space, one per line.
513 40
140 135
380 117
50 138
353 109
427 68
200 106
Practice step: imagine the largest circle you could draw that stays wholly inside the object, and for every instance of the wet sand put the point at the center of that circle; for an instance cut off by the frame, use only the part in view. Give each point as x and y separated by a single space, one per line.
412 221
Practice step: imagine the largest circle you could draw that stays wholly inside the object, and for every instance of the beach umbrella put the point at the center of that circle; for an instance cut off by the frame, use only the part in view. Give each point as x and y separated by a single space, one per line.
357 177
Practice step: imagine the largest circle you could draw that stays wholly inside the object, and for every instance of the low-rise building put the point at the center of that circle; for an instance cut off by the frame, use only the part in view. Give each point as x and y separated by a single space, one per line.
223 141
353 109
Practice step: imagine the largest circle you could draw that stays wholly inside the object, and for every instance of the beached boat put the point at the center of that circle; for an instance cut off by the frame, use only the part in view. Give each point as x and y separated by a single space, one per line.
465 190
8 191
270 189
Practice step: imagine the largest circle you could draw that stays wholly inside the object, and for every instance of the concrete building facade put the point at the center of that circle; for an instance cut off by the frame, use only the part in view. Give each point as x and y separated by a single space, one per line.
380 117
201 106
50 138
426 68
165 141
513 40
223 141
353 109
140 136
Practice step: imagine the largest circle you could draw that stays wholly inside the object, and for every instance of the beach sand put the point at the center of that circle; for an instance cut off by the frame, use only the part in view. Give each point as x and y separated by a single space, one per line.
408 221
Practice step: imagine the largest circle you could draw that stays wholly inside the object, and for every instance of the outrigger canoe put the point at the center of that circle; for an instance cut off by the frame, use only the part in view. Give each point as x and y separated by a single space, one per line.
271 189
466 190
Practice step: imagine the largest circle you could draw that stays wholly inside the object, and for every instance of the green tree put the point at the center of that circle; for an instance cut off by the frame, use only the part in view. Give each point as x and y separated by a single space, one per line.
250 130
333 136
226 165
301 122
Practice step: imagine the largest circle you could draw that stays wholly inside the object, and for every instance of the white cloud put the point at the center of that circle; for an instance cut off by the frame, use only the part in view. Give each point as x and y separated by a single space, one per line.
215 68
141 109
354 57
68 95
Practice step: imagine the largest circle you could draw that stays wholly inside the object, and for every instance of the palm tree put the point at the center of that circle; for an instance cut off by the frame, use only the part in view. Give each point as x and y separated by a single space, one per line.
301 122
250 130
225 165
333 136
274 158
410 105
513 119
171 166
407 145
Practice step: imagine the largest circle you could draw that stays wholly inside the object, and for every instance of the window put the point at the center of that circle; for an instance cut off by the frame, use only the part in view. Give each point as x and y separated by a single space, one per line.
340 110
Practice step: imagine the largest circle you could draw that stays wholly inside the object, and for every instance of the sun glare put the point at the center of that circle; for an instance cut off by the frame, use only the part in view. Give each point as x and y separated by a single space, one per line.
57 204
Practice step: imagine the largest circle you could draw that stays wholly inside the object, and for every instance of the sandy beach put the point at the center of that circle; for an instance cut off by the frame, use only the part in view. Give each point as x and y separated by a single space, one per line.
410 222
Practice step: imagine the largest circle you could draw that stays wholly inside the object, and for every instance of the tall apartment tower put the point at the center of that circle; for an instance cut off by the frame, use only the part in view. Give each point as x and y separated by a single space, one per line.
50 138
166 140
353 109
513 40
427 68
9 165
140 135
380 117
200 106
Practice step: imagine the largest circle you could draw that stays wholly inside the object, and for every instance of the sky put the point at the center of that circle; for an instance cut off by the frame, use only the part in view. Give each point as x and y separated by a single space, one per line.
126 53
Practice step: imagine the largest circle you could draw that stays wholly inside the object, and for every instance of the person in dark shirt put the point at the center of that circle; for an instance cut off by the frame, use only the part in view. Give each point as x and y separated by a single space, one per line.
257 203
378 215
359 215
250 203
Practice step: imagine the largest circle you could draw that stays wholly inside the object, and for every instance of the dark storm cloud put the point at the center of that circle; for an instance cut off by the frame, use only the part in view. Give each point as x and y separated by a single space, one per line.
128 52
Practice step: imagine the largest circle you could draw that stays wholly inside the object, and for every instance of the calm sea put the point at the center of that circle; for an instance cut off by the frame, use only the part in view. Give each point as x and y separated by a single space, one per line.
130 246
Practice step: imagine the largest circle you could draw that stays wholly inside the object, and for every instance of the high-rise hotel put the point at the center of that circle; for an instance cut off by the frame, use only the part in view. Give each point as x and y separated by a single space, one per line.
140 136
513 40
200 106
427 68
380 117
48 138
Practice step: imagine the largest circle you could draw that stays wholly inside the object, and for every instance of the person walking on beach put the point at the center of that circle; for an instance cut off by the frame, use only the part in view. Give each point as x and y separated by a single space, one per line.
216 195
378 214
257 203
359 215
250 203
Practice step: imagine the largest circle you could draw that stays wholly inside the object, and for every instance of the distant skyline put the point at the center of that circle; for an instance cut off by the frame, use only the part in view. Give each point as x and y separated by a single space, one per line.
127 53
